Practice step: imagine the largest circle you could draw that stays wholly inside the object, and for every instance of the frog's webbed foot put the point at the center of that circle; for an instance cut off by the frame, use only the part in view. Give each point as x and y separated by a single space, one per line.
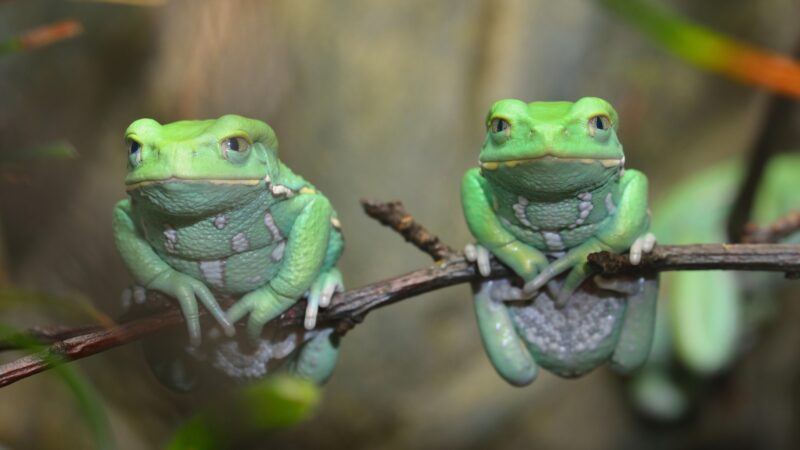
480 255
263 305
643 244
188 291
320 294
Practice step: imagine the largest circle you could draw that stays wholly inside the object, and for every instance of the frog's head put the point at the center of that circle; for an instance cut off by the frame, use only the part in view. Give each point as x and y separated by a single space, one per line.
552 149
199 167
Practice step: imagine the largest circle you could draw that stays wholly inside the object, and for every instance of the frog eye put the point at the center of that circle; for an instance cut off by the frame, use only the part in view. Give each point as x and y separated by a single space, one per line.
134 151
498 124
234 144
599 122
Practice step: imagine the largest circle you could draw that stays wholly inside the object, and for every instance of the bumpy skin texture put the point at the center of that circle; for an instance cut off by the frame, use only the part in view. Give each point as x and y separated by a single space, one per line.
550 190
212 211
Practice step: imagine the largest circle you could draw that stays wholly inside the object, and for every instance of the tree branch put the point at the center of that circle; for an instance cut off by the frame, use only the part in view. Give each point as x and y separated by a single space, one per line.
352 306
394 216
785 226
759 257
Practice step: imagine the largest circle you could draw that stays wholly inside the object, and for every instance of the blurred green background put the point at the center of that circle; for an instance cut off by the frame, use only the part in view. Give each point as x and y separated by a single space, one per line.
380 100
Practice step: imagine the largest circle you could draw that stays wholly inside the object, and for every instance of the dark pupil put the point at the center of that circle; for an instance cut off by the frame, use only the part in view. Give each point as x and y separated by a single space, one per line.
500 125
598 123
233 144
135 147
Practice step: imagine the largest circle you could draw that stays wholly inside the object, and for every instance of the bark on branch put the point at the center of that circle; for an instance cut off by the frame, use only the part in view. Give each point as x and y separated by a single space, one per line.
349 308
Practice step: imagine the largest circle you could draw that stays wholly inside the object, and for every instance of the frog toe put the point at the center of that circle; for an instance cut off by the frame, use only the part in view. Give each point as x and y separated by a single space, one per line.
642 245
572 282
480 255
191 315
320 295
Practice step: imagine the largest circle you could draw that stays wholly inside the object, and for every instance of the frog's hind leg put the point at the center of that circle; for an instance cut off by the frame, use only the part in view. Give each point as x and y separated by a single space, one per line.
636 336
506 351
316 359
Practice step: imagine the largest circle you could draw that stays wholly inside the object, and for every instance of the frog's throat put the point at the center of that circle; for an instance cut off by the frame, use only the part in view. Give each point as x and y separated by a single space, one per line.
605 162
214 181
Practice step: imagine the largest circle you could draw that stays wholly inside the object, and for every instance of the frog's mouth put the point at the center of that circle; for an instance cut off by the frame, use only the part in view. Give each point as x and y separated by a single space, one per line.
605 162
213 181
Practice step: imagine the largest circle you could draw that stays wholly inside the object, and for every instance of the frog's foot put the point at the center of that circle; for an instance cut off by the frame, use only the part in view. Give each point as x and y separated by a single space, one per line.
187 291
480 255
503 291
320 294
579 270
643 244
624 285
263 305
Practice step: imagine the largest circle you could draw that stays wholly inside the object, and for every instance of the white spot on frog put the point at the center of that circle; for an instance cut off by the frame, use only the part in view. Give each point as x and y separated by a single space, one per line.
213 272
220 221
610 206
277 253
269 221
239 243
171 238
279 190
553 241
520 211
584 209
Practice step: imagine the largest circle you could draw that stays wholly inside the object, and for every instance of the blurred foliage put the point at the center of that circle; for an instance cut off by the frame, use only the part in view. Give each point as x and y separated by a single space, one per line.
49 151
705 318
74 308
89 402
41 36
711 50
248 414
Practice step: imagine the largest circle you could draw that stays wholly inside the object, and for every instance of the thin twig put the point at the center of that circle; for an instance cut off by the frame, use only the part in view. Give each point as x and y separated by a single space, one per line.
775 232
355 304
393 215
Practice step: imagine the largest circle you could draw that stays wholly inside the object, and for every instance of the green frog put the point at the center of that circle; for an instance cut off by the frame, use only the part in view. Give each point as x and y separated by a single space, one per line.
213 212
551 189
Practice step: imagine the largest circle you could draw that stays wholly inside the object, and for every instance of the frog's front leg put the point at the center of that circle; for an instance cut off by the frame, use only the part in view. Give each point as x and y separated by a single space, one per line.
302 260
506 351
484 224
152 272
628 222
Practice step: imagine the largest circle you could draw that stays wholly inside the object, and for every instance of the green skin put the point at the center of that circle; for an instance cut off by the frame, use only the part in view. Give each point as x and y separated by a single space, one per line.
552 189
213 211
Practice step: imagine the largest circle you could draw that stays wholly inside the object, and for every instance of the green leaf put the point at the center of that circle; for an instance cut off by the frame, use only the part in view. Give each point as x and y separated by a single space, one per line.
273 403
